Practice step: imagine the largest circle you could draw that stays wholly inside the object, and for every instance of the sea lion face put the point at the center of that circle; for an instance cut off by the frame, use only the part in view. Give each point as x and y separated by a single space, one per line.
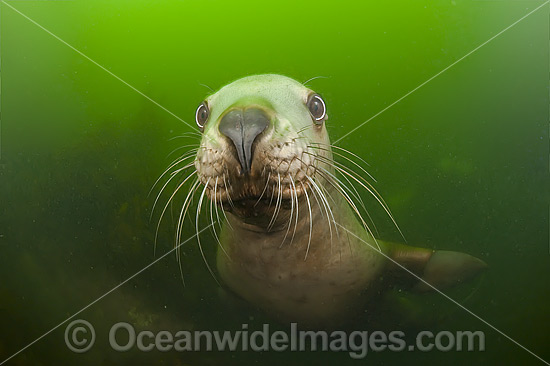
263 139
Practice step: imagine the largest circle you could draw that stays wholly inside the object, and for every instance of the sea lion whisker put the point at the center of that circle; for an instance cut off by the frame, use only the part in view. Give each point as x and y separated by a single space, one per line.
186 134
183 213
216 203
272 194
369 187
331 164
361 202
212 226
194 146
317 192
194 139
265 189
183 156
228 195
337 186
331 146
190 152
360 180
334 183
322 195
188 159
347 158
162 190
173 164
292 193
189 165
297 213
279 197
310 221
294 211
180 159
166 206
207 87
177 237
225 215
314 78
353 191
199 206
301 130
325 193
277 204
339 168
217 219
211 212
357 196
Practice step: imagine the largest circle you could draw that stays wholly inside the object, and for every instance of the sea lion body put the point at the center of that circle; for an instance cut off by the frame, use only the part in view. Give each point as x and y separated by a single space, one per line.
293 243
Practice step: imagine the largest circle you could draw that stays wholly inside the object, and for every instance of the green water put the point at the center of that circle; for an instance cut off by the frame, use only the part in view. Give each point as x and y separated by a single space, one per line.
462 161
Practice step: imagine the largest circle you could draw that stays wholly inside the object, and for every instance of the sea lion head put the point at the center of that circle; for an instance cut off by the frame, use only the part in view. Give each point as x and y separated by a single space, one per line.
263 138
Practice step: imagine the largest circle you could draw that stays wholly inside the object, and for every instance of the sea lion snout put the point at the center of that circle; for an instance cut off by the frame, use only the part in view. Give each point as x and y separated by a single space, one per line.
243 126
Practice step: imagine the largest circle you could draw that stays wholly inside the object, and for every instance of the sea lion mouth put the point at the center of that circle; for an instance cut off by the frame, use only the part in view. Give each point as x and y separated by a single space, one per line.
231 189
266 195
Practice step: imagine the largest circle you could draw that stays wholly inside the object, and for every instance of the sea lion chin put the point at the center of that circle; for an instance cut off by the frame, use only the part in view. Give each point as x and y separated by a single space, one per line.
294 241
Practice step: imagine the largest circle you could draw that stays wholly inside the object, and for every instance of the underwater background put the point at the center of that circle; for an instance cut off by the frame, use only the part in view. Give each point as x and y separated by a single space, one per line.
462 162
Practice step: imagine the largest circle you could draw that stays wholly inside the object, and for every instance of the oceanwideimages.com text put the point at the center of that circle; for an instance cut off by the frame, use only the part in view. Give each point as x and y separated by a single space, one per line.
124 337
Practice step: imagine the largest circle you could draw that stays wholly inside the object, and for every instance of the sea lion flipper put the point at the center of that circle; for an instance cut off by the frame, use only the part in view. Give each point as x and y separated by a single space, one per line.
446 268
438 268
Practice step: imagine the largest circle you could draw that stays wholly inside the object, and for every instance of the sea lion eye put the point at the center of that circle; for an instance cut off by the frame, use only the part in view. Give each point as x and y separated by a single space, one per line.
317 108
201 115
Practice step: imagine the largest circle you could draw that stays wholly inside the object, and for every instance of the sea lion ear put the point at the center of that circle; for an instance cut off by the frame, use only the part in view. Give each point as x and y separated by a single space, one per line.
445 269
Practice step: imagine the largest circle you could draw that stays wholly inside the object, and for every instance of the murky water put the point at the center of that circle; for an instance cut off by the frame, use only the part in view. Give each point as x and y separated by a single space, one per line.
462 162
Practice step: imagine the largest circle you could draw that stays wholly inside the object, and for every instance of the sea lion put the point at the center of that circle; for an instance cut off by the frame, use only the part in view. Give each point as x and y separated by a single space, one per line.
294 241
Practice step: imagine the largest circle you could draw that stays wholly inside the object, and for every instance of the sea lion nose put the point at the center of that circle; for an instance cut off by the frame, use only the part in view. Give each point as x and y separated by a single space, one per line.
242 127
